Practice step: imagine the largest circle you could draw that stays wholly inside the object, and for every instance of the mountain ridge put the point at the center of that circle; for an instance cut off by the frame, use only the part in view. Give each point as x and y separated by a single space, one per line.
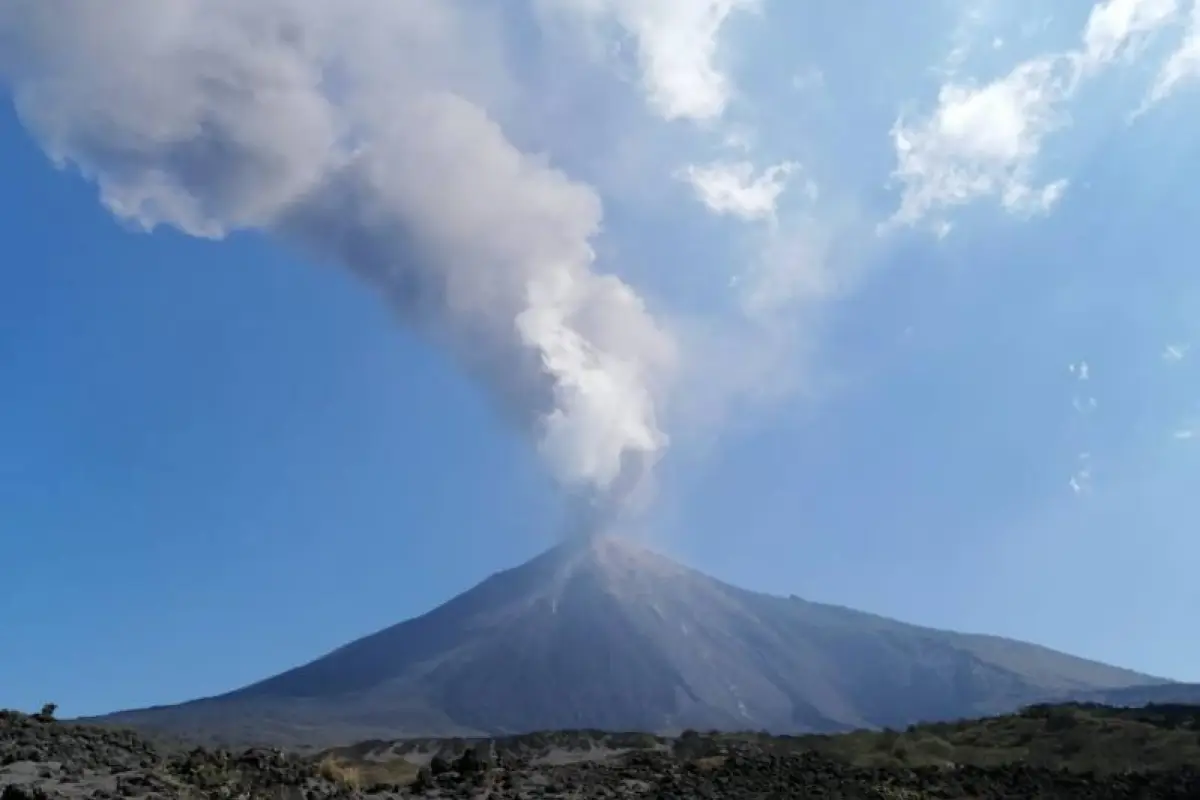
603 633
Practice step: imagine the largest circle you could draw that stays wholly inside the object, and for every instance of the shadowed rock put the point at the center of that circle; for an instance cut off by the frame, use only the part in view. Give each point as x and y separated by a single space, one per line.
45 759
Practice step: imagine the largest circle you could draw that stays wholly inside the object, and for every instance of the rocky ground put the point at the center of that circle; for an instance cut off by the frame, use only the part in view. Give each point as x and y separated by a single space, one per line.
41 758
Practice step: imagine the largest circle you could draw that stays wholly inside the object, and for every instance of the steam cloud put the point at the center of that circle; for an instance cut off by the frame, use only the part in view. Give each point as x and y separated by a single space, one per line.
349 129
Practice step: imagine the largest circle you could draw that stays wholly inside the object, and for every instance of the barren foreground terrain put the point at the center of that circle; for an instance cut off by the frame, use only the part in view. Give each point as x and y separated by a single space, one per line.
1061 751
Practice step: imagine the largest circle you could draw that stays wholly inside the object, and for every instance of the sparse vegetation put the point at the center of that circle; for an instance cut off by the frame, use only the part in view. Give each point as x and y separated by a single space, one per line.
1044 751
343 774
1079 738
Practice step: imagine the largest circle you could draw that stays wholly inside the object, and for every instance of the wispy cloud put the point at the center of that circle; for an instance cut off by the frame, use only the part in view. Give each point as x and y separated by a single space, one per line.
733 188
1081 481
1174 353
983 141
1181 67
1118 26
677 46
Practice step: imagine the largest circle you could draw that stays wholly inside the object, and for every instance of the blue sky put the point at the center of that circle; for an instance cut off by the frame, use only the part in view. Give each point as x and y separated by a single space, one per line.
951 383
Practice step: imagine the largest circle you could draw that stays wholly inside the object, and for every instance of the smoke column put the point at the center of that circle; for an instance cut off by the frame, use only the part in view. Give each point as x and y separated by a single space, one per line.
347 129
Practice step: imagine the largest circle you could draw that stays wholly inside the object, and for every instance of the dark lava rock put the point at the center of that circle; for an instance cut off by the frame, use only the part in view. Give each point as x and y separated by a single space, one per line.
472 761
439 766
46 759
12 792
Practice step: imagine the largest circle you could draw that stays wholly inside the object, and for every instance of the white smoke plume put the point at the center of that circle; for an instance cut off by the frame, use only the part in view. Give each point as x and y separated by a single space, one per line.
354 130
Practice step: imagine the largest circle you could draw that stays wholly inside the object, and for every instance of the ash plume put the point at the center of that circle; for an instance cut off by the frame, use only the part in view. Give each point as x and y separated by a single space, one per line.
356 131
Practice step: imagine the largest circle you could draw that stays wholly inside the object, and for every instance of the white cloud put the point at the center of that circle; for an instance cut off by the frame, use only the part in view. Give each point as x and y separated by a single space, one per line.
1174 353
1182 66
740 137
980 142
974 18
733 188
1117 25
677 45
983 141
793 268
1081 481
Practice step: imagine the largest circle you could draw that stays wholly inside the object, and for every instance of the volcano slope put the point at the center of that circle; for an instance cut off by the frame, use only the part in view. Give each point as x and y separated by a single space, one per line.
604 634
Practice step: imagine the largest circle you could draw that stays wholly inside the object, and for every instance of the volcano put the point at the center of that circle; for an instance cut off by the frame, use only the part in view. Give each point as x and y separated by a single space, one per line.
605 634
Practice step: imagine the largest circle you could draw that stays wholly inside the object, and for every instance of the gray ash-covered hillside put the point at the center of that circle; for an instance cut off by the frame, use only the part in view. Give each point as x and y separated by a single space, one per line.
605 634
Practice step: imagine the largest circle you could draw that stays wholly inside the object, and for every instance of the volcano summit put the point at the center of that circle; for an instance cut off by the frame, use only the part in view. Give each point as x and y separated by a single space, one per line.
602 633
